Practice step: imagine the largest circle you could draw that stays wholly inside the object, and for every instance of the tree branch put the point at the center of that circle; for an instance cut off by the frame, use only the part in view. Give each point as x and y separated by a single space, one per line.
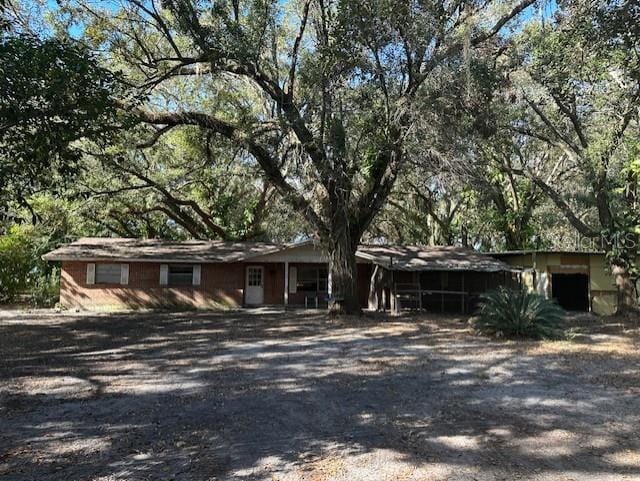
564 207
515 11
296 47
155 137
573 117
269 163
552 127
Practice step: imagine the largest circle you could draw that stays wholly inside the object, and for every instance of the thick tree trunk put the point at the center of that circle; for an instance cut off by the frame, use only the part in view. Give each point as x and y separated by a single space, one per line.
343 271
512 240
627 300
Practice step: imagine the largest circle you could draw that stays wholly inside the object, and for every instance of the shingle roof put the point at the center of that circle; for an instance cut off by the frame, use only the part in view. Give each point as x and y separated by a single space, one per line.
153 250
103 248
420 258
545 251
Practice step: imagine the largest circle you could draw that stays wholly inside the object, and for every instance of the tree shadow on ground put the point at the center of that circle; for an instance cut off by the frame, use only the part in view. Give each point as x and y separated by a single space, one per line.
249 396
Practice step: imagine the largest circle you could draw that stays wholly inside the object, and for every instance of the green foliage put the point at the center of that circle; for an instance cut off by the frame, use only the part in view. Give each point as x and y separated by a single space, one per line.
185 185
24 276
518 314
45 289
15 264
380 90
53 94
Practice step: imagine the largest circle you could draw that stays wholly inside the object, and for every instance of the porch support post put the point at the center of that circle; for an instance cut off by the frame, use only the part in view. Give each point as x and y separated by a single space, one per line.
286 283
394 294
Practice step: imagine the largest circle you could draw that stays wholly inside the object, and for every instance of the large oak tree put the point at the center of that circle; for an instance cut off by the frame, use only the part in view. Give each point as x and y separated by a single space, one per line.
321 94
579 84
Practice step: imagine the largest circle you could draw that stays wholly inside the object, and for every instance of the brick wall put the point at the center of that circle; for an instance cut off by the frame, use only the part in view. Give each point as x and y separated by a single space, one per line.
221 285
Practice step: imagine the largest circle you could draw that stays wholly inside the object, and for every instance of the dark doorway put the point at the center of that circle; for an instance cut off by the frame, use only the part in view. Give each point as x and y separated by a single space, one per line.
571 291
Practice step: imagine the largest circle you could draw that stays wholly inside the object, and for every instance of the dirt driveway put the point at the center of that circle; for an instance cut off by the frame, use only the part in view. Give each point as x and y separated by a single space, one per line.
204 396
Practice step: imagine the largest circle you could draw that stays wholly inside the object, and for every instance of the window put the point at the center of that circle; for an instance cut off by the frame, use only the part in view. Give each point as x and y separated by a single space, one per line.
108 273
312 279
254 277
180 275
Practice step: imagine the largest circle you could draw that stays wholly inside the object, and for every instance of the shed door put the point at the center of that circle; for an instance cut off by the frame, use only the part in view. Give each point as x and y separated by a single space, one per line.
254 292
571 291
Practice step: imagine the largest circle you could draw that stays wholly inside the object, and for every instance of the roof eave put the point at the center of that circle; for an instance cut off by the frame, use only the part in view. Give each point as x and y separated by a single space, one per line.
455 269
50 258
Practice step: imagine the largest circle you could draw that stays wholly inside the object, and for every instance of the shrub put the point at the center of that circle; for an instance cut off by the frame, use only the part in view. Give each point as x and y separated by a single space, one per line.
15 264
45 290
519 314
24 276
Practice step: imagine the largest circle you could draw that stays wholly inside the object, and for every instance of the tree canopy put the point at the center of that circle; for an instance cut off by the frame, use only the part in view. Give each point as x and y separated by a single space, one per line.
499 125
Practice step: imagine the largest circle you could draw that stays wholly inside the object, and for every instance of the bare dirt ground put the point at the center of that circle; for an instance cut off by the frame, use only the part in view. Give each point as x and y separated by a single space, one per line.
272 396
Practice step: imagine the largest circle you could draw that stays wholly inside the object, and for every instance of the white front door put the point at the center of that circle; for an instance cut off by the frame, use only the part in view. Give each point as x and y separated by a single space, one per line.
254 293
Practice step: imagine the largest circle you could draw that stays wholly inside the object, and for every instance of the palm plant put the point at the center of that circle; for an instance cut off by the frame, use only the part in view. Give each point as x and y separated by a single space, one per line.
512 313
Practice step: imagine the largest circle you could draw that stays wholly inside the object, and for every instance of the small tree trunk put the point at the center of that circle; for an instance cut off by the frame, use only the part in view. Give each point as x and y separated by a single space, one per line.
343 269
626 288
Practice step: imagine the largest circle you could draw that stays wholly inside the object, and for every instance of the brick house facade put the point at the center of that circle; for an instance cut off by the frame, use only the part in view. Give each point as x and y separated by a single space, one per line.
113 274
221 286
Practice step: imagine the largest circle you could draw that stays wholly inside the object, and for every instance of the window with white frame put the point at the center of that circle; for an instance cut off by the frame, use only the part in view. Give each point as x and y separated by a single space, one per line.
312 279
108 273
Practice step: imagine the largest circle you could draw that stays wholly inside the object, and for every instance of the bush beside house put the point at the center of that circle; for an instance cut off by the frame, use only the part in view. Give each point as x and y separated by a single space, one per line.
24 276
